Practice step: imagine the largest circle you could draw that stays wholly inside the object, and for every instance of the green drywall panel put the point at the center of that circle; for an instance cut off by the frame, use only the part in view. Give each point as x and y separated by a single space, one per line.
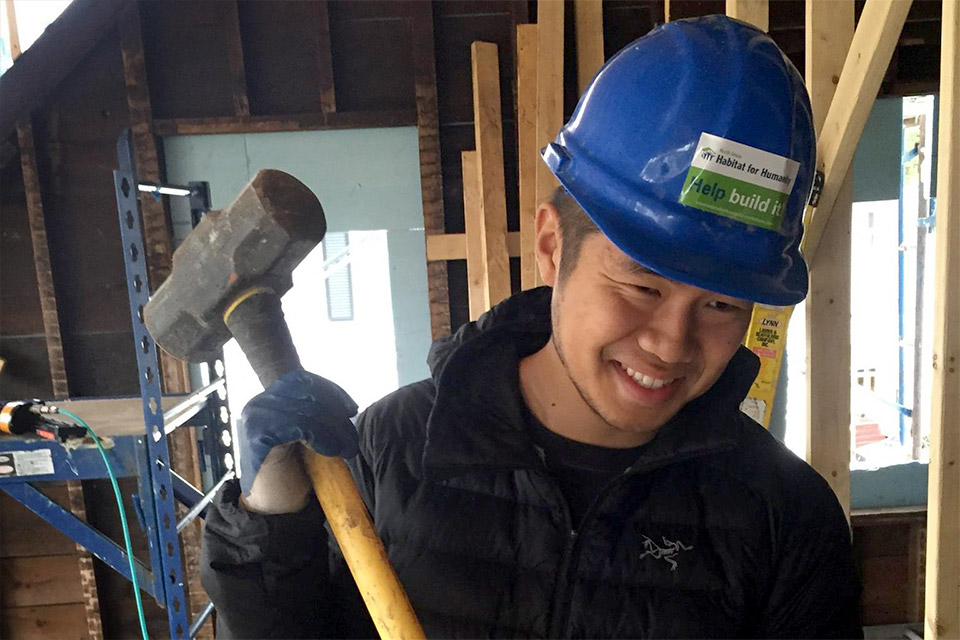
876 163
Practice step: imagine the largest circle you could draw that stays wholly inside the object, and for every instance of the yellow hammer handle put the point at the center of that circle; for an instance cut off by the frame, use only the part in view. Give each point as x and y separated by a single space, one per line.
362 548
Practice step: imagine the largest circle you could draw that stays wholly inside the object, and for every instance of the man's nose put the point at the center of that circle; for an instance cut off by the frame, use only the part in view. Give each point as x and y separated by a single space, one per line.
668 334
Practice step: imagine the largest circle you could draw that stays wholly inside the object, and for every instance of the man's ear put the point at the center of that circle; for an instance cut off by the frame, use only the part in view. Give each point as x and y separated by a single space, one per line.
549 243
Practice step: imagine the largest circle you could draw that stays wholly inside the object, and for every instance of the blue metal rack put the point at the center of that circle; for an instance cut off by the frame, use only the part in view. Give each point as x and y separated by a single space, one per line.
146 454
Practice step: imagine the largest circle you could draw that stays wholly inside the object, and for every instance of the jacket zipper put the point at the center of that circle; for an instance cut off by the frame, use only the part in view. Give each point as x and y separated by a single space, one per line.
560 615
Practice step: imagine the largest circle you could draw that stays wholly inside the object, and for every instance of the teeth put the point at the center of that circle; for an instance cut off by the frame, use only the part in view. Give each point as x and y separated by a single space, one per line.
644 380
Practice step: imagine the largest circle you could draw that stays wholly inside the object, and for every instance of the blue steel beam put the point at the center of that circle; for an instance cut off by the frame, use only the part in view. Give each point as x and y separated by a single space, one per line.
81 463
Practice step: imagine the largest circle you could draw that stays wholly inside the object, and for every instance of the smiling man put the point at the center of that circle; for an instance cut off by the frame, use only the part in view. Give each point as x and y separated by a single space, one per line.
577 465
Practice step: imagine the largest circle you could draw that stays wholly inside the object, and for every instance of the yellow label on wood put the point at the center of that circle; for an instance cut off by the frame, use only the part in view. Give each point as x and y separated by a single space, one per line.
767 338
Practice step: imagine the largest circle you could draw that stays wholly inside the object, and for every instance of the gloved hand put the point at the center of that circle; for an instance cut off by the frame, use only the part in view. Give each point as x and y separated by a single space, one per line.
299 407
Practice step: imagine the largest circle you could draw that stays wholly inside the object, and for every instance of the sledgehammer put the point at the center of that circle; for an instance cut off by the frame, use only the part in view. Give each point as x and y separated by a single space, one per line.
227 280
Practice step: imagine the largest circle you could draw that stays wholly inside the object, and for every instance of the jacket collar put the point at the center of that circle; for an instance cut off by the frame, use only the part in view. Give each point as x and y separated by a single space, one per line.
477 421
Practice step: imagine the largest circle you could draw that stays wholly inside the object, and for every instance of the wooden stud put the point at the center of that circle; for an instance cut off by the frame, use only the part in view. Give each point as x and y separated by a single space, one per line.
477 287
488 131
241 100
527 156
272 124
549 87
830 31
158 246
88 580
453 246
12 32
328 98
755 12
588 18
856 88
431 176
942 616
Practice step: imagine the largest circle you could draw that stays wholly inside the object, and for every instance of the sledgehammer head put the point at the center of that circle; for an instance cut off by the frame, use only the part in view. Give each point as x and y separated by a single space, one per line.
255 242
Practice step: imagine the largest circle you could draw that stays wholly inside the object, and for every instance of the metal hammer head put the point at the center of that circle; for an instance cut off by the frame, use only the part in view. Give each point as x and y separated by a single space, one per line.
255 242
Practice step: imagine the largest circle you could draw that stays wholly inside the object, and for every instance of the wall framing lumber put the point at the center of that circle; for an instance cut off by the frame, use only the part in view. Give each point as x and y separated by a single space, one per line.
453 246
942 616
527 150
13 30
431 176
549 87
866 63
477 288
272 124
241 101
328 97
488 133
756 12
158 247
829 34
588 19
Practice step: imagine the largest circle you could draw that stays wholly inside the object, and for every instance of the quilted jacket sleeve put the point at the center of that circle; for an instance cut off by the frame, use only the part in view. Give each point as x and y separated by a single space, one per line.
280 576
815 591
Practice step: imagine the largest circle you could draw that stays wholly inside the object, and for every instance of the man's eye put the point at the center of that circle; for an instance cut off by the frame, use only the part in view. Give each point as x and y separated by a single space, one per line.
723 306
647 291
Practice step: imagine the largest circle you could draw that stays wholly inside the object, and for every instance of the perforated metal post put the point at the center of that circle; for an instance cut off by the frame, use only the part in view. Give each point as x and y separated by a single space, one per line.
156 485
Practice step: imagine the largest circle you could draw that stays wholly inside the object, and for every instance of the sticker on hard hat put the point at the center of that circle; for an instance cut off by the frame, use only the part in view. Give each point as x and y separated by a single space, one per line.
737 181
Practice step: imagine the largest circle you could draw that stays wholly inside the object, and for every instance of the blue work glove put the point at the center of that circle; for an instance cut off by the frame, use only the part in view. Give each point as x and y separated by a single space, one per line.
298 407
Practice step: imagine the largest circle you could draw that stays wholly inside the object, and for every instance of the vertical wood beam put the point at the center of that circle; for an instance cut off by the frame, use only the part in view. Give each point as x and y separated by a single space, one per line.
527 156
328 98
477 289
755 12
241 100
829 33
588 19
488 132
13 32
431 177
158 245
866 63
549 87
942 617
51 329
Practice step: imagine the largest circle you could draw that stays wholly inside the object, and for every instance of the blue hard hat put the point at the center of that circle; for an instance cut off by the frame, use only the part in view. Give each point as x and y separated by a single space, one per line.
693 150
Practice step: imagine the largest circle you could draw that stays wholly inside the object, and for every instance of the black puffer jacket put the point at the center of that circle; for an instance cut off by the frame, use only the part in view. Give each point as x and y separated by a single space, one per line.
717 530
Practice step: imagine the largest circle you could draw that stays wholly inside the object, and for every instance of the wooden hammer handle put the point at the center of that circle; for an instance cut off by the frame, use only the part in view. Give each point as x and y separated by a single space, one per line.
256 321
361 547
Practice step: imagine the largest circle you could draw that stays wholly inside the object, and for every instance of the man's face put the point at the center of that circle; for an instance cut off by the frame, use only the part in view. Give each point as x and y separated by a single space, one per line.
638 346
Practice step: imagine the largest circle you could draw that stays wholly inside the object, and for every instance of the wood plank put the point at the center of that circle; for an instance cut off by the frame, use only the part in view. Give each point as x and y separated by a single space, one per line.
477 288
527 151
453 246
328 98
943 524
431 170
755 12
13 33
62 621
88 580
241 101
40 580
866 63
830 31
488 132
272 124
588 19
549 87
24 533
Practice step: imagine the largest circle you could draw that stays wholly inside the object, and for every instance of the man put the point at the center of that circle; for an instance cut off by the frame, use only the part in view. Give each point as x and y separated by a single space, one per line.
577 466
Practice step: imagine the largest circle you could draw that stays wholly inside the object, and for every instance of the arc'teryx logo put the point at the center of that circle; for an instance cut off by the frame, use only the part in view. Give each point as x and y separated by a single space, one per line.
667 552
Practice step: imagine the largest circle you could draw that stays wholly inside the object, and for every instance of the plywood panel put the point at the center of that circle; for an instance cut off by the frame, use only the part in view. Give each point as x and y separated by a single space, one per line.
63 622
24 533
40 580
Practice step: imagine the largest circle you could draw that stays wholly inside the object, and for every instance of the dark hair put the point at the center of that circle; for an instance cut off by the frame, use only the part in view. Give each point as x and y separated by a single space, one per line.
575 226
